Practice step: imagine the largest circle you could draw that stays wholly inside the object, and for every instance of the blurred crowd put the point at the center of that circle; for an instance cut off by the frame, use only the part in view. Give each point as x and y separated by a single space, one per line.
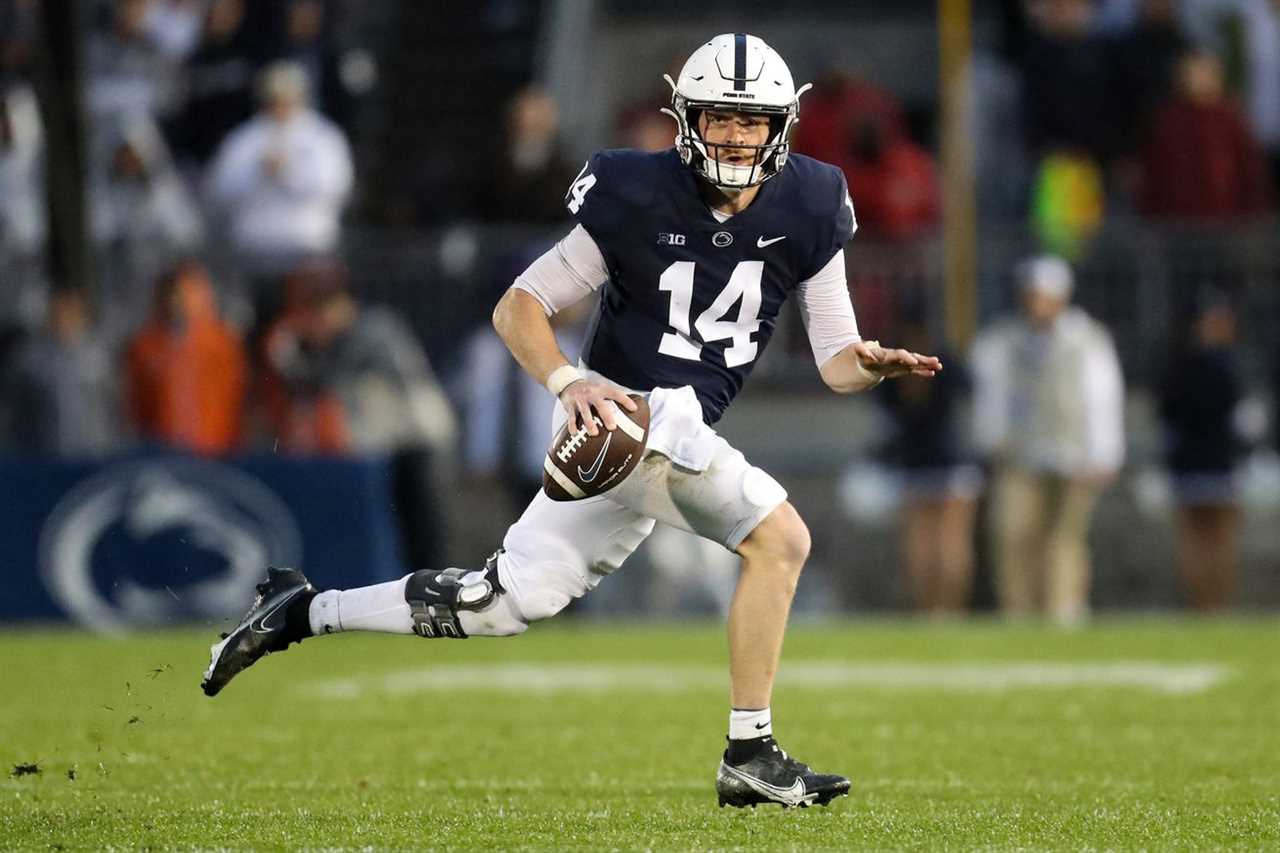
220 318
1033 423
1165 109
218 170
221 166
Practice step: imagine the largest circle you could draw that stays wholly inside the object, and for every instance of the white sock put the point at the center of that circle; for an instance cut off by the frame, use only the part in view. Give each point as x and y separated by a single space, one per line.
747 724
382 607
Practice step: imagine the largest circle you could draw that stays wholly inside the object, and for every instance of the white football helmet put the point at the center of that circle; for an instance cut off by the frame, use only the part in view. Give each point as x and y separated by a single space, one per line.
735 72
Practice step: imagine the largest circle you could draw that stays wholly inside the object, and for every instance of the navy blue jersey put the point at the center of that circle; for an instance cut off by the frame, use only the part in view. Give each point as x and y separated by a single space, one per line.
689 300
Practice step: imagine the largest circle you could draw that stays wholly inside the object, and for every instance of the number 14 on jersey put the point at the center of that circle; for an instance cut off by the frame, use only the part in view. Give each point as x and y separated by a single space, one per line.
711 324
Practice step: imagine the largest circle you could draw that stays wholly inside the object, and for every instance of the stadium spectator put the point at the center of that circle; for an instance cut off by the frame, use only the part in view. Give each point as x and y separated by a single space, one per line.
141 218
281 180
1247 34
529 175
1070 127
219 84
22 214
1202 161
185 370
344 378
833 110
930 447
1200 406
338 73
57 391
1067 90
304 43
893 180
347 379
859 127
1068 203
1049 415
174 26
125 70
1147 57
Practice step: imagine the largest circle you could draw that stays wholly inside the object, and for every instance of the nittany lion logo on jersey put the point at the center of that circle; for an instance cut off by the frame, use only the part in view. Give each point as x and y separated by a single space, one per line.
151 542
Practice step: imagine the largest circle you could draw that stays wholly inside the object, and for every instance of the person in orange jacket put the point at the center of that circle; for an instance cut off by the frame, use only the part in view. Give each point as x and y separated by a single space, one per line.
185 370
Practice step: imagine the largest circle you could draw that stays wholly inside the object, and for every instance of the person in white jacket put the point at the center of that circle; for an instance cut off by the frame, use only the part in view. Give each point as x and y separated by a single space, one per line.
22 215
1049 416
280 180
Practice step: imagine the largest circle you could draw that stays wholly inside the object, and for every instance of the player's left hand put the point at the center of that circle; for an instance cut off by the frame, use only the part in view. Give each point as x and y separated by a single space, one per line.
890 363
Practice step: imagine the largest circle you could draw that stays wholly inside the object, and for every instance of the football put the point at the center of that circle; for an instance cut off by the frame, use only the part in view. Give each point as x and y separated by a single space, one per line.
579 465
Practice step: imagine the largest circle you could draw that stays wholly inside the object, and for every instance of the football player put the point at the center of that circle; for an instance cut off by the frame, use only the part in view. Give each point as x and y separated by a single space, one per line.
693 251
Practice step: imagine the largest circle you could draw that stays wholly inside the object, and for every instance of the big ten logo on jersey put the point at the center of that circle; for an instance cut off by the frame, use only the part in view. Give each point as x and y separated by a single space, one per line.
671 239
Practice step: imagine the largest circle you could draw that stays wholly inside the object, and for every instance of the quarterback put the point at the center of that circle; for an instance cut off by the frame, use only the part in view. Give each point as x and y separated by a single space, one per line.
692 252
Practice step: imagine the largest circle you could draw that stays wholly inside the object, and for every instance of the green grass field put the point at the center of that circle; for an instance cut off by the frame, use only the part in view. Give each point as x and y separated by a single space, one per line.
1152 734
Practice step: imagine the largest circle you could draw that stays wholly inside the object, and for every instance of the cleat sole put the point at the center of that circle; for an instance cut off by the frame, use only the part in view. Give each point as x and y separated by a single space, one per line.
752 799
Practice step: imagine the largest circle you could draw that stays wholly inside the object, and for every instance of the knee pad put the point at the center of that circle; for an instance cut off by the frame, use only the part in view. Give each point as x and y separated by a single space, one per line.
437 598
457 603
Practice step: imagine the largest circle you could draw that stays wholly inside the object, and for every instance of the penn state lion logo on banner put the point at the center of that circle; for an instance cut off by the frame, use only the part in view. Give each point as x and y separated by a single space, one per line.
151 542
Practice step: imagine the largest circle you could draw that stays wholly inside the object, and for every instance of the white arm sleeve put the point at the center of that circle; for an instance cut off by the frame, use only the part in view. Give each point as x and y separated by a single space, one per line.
827 311
569 271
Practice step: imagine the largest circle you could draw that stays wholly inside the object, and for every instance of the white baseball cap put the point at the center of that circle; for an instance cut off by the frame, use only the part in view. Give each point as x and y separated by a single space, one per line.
1046 274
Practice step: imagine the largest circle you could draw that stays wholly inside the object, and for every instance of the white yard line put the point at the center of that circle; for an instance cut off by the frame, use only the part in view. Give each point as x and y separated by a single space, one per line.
972 676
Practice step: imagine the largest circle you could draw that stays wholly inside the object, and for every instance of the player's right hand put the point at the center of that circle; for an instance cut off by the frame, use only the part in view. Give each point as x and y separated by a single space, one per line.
580 398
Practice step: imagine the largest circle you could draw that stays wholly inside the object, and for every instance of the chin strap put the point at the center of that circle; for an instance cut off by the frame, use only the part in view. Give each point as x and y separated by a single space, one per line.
436 597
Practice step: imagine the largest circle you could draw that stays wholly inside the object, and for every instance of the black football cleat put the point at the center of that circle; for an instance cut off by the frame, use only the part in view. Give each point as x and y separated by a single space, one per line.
261 631
775 777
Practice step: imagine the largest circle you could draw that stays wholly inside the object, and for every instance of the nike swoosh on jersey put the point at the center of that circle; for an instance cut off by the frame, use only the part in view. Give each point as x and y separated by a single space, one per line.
591 473
792 796
762 242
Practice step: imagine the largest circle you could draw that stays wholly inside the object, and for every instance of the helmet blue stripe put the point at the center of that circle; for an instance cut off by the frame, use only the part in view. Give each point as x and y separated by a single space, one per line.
739 62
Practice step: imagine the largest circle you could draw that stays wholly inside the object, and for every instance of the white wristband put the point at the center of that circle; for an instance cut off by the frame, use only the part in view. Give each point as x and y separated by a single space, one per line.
562 377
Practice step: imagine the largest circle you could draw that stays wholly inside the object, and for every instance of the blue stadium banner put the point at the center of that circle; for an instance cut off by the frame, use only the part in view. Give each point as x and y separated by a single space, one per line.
159 539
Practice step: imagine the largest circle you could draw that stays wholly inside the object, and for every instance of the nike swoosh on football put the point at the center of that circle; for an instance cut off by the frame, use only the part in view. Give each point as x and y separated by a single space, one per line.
260 626
594 470
762 242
